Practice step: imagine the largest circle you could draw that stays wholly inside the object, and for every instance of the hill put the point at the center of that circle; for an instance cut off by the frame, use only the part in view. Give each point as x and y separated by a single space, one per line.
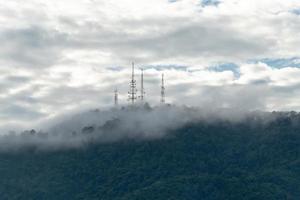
198 160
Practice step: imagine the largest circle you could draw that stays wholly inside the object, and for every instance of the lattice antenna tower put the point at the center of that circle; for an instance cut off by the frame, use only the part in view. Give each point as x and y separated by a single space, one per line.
162 92
116 97
132 87
142 96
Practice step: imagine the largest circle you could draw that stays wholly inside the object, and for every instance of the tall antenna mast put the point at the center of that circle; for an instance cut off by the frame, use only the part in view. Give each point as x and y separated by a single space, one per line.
142 86
132 87
162 93
116 97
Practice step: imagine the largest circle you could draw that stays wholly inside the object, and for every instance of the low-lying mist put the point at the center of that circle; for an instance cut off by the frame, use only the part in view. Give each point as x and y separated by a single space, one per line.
125 123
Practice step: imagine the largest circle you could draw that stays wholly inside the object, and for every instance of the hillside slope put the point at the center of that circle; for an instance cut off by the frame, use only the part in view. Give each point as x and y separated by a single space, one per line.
207 161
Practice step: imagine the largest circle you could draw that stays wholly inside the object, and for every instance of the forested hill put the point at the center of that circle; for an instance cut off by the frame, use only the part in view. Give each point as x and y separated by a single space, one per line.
207 161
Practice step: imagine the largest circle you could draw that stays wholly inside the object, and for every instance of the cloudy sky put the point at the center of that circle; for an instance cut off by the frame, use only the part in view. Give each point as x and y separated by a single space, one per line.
62 55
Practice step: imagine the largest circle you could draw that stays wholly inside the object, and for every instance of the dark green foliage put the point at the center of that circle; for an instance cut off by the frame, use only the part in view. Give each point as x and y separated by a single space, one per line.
203 161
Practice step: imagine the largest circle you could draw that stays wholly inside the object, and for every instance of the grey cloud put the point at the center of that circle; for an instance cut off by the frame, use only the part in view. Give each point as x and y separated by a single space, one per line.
102 126
9 112
12 81
34 46
196 40
61 96
286 91
166 67
18 79
239 97
39 45
264 81
217 39
170 38
115 124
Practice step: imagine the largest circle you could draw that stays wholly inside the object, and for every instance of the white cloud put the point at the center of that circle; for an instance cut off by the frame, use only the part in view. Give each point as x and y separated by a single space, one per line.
59 55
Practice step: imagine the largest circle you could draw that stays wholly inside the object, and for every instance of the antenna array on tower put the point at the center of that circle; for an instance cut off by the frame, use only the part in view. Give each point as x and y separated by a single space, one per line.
132 87
162 93
116 97
132 93
142 96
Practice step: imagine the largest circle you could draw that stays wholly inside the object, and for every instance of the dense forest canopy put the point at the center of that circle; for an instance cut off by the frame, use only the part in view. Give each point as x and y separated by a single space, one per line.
253 158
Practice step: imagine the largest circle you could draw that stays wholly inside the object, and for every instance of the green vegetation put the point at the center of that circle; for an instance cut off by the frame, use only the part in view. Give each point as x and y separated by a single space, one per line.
206 161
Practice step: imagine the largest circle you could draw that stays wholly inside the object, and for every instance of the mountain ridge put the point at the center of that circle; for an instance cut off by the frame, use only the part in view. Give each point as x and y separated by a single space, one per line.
210 161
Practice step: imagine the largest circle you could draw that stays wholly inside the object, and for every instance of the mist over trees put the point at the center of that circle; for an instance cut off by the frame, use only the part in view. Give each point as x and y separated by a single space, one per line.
140 122
209 160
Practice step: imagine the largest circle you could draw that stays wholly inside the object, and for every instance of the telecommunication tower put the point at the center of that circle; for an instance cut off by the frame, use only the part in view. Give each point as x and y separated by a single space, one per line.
142 96
162 93
132 87
116 97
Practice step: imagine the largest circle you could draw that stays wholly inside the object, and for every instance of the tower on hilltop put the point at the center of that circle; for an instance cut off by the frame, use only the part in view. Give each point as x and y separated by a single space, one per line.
142 95
116 97
162 92
132 87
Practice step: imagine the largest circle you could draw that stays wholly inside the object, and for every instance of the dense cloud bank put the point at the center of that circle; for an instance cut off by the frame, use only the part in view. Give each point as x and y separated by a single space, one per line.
55 54
130 123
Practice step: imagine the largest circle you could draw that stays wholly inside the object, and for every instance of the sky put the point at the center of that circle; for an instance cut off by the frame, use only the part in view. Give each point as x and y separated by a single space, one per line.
58 56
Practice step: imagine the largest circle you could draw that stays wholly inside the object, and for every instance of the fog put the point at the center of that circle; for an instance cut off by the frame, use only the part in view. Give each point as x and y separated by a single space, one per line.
141 122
